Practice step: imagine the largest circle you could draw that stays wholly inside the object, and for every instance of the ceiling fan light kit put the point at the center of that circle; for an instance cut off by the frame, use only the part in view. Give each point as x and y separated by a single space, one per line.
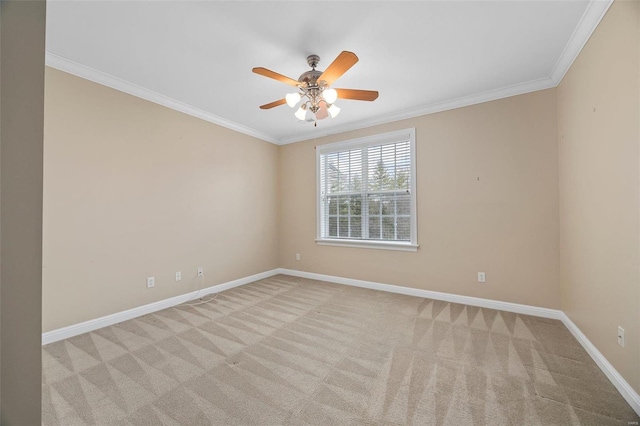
314 88
293 99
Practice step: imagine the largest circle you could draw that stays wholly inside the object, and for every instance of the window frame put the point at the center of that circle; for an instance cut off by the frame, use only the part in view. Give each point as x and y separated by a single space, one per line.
369 141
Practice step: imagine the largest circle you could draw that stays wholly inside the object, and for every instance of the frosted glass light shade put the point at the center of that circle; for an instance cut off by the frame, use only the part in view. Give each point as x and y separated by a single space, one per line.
300 113
292 99
330 95
334 111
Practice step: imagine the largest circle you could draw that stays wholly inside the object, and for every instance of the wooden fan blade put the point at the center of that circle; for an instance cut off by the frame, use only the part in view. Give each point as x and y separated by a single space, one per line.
274 75
273 104
339 66
357 95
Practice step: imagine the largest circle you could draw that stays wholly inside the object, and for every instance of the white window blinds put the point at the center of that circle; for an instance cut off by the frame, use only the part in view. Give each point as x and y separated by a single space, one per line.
366 190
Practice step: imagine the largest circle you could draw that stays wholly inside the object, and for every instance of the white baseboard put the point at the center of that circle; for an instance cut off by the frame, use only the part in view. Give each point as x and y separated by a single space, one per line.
629 394
447 297
625 389
94 324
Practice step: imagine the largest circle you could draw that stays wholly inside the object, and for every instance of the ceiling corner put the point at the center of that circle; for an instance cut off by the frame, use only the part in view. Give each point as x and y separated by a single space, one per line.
587 25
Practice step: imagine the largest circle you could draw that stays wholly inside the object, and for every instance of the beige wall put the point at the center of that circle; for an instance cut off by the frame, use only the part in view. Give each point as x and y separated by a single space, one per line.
133 189
540 191
598 128
505 224
22 44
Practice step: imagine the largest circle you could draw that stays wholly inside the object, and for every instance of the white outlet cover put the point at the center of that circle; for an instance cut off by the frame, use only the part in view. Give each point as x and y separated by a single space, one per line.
621 336
482 277
151 282
178 276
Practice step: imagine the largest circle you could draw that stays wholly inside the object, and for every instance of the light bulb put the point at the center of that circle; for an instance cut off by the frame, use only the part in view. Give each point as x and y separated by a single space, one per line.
292 99
334 111
300 113
330 95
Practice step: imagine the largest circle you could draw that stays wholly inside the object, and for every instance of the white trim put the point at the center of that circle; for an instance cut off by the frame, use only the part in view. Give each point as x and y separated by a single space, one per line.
371 244
595 11
491 95
397 136
94 324
590 19
91 74
592 16
627 392
428 294
366 141
625 389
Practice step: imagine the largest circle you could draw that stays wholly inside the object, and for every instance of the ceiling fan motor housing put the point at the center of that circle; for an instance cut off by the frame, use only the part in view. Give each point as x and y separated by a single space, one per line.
310 78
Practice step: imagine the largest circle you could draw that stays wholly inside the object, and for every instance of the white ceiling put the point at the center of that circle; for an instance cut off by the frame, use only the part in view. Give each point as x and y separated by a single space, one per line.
422 56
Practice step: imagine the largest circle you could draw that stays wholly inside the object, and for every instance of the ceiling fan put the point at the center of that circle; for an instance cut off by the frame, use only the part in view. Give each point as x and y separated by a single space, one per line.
314 88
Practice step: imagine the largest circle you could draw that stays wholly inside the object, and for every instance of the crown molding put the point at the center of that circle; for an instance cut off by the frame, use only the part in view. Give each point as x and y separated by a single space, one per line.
588 22
91 74
590 19
491 95
592 16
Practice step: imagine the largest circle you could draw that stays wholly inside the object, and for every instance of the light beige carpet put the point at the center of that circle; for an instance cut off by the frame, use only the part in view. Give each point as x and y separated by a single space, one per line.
291 351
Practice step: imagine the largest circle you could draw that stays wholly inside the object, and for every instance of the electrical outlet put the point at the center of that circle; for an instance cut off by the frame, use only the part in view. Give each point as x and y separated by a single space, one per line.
297 256
621 336
178 276
201 272
151 282
482 277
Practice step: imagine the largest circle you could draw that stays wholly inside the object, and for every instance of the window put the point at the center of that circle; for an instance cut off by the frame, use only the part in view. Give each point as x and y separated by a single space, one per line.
366 192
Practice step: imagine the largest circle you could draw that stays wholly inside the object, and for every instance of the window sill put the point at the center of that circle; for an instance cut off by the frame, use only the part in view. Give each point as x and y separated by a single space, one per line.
380 245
